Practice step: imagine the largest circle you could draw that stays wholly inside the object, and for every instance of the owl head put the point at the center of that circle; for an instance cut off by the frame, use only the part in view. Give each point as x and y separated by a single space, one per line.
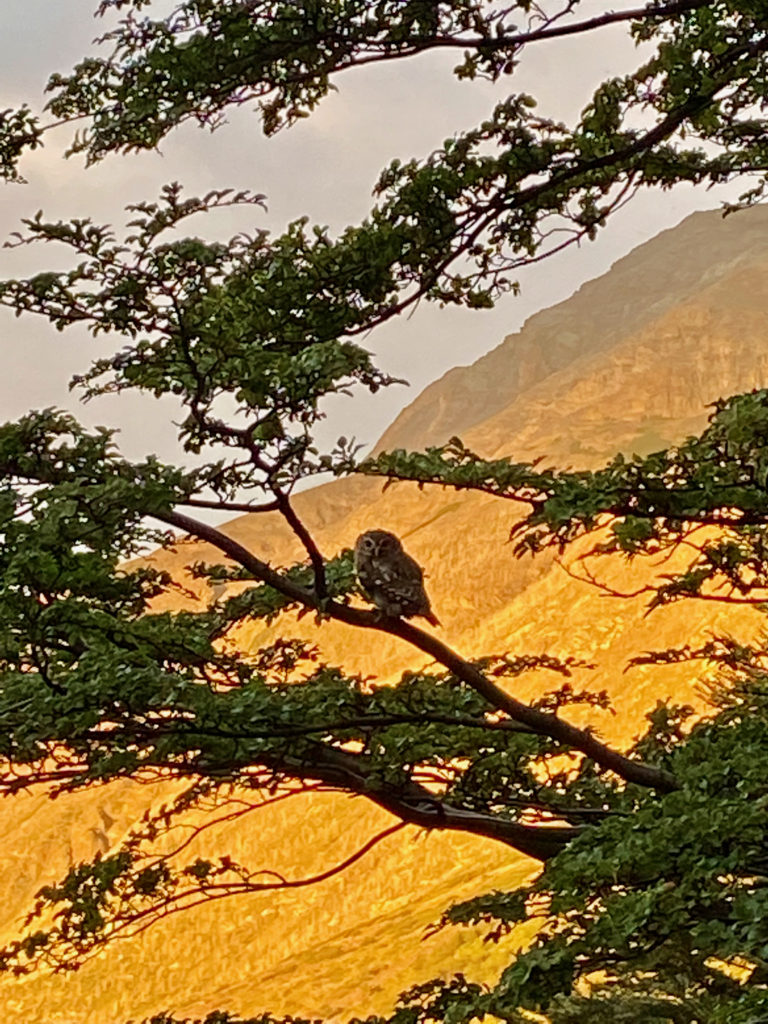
377 544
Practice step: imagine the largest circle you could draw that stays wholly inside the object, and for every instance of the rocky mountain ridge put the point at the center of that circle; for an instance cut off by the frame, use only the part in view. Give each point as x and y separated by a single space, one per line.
639 288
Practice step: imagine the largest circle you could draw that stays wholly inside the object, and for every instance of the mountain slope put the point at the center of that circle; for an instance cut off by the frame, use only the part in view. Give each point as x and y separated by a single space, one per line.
654 278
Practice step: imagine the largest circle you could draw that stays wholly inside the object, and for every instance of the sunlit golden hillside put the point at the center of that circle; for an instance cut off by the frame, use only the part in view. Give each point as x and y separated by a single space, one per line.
628 363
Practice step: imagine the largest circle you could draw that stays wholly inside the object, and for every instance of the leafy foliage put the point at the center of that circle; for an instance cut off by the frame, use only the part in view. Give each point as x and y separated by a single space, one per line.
651 902
429 738
455 226
656 913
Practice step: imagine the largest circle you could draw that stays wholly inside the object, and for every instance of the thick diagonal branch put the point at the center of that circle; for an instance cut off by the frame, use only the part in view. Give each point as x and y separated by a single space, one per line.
541 722
417 805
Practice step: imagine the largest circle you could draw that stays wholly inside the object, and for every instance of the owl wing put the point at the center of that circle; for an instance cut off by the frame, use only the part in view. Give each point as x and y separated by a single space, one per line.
376 575
407 586
367 574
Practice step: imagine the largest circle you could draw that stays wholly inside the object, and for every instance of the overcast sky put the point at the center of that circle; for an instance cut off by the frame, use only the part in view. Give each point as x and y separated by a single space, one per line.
325 168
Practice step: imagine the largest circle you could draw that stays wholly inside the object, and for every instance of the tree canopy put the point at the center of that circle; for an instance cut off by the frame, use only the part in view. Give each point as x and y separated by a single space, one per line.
652 899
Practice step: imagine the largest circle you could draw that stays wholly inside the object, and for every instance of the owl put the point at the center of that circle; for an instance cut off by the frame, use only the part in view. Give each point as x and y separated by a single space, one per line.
390 577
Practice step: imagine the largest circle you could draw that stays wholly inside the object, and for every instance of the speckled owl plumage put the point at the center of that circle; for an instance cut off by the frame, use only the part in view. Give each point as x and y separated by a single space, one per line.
390 578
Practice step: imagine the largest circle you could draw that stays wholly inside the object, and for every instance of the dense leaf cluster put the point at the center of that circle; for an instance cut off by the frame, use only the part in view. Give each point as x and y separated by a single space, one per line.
427 742
658 912
455 226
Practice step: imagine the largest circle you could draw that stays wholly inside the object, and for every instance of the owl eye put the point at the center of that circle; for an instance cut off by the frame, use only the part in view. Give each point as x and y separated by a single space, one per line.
368 543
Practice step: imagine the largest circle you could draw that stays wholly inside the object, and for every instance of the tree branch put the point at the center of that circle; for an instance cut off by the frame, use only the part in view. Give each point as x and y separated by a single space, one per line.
129 924
356 722
315 558
411 46
417 805
518 39
232 506
540 722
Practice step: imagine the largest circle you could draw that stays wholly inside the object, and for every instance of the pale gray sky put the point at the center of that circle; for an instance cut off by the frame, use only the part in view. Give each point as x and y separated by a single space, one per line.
324 167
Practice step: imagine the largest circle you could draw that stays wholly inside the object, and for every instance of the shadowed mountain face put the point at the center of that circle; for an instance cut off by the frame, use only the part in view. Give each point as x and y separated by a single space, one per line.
628 363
